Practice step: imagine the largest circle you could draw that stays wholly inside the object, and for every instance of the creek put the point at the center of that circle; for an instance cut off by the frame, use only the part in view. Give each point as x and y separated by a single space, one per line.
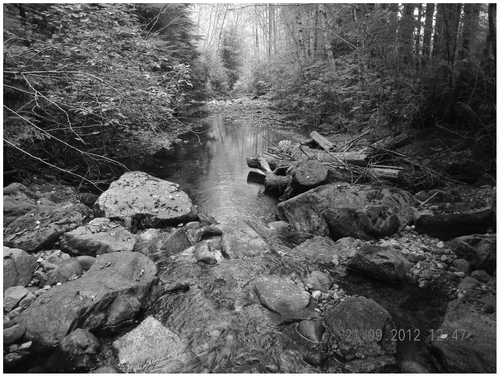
209 165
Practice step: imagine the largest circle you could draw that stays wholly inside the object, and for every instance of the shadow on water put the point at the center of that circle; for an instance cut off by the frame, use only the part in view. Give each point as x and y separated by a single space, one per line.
210 166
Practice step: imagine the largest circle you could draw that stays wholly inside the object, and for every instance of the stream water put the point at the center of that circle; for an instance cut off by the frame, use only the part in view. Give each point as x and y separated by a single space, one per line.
210 166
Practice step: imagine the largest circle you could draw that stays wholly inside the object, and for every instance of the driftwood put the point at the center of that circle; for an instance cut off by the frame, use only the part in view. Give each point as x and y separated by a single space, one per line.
305 167
254 162
323 142
351 158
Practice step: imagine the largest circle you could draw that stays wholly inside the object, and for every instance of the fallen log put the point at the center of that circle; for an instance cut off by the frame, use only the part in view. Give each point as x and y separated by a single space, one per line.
322 141
350 158
254 162
386 173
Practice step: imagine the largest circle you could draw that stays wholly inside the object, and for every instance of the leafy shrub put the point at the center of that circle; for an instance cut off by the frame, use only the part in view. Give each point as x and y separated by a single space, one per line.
84 80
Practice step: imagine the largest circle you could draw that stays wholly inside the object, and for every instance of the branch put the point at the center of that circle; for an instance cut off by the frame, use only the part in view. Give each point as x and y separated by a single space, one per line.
93 155
49 164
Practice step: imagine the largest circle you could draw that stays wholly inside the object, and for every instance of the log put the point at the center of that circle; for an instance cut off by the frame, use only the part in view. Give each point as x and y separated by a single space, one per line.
276 183
351 158
272 182
264 164
385 173
279 167
254 162
257 177
323 142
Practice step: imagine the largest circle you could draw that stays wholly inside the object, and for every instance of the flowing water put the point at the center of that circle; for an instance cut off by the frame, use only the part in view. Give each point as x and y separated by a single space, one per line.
225 327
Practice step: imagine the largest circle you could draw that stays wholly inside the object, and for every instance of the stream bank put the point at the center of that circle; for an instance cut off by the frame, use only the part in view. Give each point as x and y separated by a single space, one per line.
219 294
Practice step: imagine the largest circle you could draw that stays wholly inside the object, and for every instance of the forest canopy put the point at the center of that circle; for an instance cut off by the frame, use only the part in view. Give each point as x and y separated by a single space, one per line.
79 77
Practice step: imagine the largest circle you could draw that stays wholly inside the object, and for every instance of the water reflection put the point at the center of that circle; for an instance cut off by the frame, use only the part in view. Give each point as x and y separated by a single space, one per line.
210 166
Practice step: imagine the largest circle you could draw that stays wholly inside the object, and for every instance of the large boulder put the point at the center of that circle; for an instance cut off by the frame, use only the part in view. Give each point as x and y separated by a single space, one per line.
18 267
304 176
366 223
17 201
382 262
143 201
480 250
450 225
240 240
283 296
42 226
305 211
149 344
362 328
466 341
99 236
115 289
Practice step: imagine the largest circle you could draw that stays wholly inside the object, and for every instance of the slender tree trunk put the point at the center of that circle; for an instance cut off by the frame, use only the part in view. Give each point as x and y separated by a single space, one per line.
419 30
491 40
221 32
451 21
406 33
326 39
470 27
316 18
300 34
429 14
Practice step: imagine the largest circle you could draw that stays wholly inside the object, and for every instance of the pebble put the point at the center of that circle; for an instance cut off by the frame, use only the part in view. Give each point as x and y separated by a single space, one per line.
444 258
439 265
423 283
460 274
316 295
440 245
460 295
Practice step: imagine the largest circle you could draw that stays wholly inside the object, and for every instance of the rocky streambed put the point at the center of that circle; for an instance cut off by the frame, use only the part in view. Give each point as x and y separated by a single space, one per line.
349 278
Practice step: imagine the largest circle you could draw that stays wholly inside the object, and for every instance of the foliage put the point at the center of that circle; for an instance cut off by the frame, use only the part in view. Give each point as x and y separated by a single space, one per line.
78 77
230 54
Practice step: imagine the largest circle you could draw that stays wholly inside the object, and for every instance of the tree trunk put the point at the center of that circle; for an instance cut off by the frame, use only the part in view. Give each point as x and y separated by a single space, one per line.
429 14
470 28
326 39
406 33
439 27
302 52
419 32
452 19
491 40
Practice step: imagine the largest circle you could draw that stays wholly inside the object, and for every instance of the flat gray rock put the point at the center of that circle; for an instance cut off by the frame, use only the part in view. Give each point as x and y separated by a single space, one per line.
240 240
115 289
362 328
150 343
43 226
466 341
99 236
382 262
18 267
305 211
283 296
143 201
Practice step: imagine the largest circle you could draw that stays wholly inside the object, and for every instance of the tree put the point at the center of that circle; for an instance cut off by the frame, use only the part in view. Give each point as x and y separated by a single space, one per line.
428 30
81 82
470 28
